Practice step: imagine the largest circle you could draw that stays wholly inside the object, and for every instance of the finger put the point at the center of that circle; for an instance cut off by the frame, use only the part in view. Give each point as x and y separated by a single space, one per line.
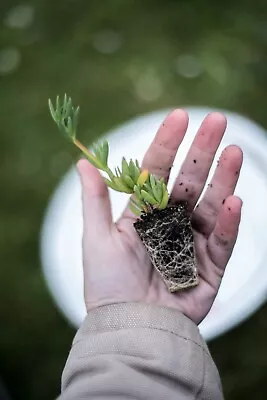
96 203
222 185
160 155
195 169
222 240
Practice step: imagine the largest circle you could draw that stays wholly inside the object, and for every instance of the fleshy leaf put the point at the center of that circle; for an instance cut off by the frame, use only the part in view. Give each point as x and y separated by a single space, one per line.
125 167
65 102
52 110
135 210
94 161
111 184
104 153
76 118
142 177
157 190
128 181
137 193
96 150
58 107
134 171
152 181
164 201
136 202
149 189
147 197
121 186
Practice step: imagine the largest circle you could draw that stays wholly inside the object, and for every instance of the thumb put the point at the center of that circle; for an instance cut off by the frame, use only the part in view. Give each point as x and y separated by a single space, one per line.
95 198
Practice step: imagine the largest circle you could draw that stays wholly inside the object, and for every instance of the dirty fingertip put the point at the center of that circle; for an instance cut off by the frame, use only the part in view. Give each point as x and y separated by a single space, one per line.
233 203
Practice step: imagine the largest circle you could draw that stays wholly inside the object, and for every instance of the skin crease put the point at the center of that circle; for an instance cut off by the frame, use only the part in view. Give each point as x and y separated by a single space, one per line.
115 263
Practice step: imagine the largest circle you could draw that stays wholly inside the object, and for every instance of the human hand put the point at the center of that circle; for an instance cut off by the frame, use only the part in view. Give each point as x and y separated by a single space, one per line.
116 265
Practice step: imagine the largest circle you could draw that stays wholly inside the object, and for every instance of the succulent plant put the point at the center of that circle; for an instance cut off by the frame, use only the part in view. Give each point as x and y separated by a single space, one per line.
165 230
148 191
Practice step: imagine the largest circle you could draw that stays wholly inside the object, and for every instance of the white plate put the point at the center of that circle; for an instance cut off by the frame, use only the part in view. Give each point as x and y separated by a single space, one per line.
244 286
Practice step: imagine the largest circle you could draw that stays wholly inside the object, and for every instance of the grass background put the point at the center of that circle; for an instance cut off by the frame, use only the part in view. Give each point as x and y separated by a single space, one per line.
118 59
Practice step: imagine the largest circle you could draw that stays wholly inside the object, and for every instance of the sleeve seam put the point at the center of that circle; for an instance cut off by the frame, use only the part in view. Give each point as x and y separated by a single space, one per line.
156 329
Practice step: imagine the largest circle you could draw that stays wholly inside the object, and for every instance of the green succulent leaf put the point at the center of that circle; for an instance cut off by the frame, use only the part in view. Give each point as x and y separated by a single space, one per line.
111 184
65 101
104 153
76 118
131 168
97 151
152 181
158 192
147 197
120 185
94 161
52 110
149 189
128 181
136 202
69 125
58 106
134 171
125 167
134 209
68 107
165 198
137 193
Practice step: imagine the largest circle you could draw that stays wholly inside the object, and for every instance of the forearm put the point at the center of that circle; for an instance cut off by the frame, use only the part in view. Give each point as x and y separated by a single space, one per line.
138 351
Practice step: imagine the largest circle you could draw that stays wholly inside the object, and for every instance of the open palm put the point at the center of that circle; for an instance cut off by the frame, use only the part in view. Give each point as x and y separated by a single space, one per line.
115 262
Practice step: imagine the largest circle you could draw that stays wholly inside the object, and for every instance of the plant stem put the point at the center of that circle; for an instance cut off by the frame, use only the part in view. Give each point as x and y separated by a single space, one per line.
82 147
145 208
88 154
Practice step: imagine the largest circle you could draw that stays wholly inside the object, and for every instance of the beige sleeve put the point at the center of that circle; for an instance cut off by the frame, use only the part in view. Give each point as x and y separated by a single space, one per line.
141 352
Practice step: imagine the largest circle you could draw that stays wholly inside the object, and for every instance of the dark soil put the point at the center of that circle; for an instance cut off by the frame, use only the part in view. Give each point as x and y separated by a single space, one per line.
168 237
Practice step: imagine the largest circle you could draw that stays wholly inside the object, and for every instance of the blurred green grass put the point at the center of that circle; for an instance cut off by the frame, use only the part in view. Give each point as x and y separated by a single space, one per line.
144 67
